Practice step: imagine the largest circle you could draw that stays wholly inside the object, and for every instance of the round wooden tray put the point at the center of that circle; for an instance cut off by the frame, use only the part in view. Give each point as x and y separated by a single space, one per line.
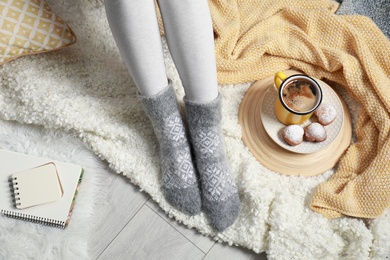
276 158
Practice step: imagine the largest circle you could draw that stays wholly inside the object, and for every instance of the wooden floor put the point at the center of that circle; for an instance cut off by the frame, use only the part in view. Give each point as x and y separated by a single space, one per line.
139 229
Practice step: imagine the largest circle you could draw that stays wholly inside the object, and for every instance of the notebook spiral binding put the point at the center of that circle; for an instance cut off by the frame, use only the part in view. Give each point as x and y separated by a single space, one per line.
13 184
33 219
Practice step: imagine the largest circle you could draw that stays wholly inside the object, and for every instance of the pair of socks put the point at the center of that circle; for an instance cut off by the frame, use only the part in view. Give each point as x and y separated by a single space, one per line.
204 183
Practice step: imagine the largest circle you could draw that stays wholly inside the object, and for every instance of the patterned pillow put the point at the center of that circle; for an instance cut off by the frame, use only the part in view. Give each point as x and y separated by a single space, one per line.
29 27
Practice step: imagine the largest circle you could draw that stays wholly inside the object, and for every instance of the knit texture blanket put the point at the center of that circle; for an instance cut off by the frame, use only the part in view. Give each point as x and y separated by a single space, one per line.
85 89
256 38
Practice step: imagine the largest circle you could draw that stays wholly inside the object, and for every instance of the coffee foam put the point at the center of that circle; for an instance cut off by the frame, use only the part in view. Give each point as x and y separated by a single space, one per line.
298 95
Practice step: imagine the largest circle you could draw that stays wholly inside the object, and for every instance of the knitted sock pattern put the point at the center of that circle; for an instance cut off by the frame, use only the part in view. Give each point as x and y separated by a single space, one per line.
219 192
180 182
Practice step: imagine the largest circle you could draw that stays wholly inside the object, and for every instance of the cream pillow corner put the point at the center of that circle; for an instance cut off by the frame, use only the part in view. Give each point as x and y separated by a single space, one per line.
30 27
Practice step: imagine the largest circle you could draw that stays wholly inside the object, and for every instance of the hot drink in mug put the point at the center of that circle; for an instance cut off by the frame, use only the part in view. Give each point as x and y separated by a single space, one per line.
298 97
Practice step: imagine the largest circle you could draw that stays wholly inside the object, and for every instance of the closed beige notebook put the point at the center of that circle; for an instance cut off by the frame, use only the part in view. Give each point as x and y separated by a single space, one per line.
36 186
38 182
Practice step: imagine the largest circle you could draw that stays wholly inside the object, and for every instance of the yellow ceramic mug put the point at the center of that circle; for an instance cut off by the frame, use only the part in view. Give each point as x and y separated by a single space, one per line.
298 97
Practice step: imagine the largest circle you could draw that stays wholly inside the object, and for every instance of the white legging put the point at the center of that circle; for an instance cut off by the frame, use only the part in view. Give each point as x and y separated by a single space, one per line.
189 34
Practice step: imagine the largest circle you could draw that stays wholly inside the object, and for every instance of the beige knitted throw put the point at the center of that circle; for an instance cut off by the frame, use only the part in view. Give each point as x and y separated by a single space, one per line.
254 39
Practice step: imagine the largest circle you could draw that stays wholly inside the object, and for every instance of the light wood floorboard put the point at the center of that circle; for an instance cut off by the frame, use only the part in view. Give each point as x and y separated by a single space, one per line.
226 252
148 236
202 242
138 229
124 201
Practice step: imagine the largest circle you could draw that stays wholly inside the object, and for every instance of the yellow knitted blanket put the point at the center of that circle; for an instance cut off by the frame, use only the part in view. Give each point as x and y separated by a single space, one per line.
254 39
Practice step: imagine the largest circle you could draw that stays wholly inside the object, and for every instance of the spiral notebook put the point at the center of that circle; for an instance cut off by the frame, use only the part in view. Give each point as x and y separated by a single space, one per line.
36 186
48 198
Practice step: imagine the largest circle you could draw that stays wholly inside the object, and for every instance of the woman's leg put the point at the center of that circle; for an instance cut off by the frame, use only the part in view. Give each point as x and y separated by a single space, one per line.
135 29
134 26
188 28
189 34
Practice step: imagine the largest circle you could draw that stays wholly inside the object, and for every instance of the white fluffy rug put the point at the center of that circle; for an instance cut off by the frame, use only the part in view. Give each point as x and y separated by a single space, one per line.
25 240
86 89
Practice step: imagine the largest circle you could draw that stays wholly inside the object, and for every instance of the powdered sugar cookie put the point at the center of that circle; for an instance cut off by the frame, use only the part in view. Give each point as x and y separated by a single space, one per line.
325 114
315 132
293 134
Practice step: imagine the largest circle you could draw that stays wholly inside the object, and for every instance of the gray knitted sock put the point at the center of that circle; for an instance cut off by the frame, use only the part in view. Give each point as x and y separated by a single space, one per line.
180 182
219 193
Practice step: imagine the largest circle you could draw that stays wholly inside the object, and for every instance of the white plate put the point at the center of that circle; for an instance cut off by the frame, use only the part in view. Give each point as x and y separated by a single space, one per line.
274 127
